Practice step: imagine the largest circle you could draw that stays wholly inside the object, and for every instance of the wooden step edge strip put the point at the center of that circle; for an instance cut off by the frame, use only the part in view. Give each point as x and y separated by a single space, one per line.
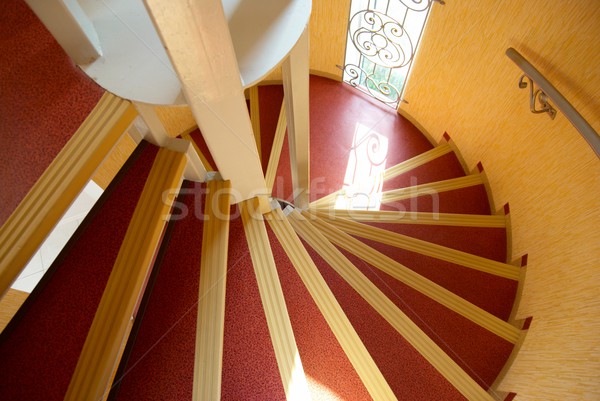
205 162
431 188
276 148
427 248
388 310
255 118
333 313
117 309
422 218
271 294
210 323
392 172
416 161
98 119
414 280
59 185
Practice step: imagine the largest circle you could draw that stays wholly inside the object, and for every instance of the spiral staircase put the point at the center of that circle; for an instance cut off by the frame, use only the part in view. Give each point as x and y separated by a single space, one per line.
410 300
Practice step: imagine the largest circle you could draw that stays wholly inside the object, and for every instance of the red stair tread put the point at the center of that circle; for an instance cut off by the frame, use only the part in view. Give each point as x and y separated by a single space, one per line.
470 200
477 351
270 98
409 375
442 168
40 349
161 365
487 242
199 140
250 369
491 293
329 373
45 98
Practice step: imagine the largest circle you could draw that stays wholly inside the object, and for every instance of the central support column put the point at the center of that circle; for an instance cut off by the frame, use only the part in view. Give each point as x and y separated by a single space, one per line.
198 41
295 73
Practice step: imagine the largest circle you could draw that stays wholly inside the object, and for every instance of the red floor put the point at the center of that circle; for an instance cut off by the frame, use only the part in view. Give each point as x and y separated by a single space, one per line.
44 98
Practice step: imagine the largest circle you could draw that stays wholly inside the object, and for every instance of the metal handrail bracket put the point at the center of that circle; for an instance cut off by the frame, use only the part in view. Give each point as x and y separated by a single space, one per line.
548 91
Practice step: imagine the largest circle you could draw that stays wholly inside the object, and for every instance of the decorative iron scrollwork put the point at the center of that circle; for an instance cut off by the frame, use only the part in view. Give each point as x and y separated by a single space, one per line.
382 90
537 96
381 39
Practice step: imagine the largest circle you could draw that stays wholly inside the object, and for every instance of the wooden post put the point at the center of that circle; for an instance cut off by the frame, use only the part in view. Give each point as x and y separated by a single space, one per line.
71 28
197 38
295 86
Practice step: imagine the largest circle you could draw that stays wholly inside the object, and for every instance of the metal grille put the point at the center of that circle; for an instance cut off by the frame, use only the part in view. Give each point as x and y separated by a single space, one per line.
382 40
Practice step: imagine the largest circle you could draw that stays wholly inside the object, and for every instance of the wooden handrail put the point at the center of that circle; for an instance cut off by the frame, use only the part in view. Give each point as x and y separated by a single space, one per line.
584 128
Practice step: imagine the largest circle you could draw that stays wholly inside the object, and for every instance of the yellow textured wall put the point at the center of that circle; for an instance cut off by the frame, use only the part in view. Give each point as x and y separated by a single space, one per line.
463 83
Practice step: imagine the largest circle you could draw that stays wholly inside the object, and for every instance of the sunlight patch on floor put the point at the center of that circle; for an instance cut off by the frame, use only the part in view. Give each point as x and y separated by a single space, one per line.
320 392
363 181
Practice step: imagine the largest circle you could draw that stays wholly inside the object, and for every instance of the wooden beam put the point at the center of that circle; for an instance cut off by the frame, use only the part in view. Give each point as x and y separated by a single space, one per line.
205 162
198 41
422 218
210 324
10 304
296 87
71 27
255 117
152 128
50 197
114 161
116 312
271 294
388 310
414 280
337 320
427 248
276 149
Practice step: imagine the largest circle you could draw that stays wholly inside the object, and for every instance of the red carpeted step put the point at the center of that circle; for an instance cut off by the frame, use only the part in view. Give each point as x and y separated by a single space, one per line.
480 353
329 373
270 98
199 140
470 200
409 375
40 348
442 168
161 361
45 98
491 293
487 242
250 370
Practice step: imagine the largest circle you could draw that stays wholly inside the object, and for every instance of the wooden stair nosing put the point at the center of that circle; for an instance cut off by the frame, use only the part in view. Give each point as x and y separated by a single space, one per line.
387 309
431 188
271 294
255 118
427 248
395 171
422 218
414 280
341 327
210 323
276 148
113 320
61 182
